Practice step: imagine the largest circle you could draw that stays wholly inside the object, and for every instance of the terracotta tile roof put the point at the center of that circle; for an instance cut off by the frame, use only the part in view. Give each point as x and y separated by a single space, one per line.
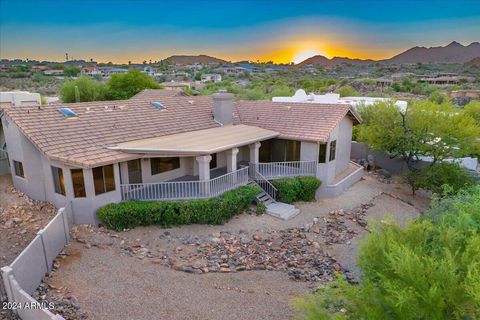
151 94
302 121
83 140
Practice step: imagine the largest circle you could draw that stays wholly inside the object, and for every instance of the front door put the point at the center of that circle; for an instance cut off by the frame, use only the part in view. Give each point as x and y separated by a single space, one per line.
134 171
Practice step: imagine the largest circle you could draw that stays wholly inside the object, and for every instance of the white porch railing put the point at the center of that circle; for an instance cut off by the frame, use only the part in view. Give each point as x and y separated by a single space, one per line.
275 170
177 190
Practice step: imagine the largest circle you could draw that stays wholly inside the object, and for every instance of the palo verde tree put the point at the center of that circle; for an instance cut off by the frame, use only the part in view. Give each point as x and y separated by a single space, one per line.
424 129
82 89
124 86
428 270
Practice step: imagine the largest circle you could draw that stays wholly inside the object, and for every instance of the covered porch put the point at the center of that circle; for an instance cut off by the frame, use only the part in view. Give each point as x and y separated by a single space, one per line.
202 164
191 165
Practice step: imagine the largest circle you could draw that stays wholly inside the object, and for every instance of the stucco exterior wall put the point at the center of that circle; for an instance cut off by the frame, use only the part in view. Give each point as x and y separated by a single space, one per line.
186 167
308 151
344 144
22 150
38 181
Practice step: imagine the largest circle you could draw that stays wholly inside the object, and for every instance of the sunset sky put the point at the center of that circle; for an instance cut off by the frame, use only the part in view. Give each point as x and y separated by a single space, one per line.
282 31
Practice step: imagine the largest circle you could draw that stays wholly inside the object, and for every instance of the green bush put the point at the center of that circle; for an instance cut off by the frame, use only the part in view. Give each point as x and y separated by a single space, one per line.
428 270
261 208
440 178
218 210
295 189
308 188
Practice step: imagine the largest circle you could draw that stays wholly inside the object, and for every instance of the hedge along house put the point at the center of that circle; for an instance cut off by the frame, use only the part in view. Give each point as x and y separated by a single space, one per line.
156 146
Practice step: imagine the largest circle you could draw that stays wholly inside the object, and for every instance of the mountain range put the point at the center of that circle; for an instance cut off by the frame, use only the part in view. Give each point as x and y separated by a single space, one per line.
190 59
452 53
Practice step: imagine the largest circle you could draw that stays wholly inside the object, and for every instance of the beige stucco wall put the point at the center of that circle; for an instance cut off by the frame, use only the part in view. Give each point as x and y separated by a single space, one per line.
38 181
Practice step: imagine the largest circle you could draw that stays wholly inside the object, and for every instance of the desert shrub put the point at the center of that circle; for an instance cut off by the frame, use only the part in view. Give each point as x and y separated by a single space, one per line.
308 188
427 270
439 178
287 189
261 208
347 91
218 210
296 189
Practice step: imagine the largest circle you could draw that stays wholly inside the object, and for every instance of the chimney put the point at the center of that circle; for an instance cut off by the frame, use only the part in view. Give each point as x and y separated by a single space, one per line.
223 107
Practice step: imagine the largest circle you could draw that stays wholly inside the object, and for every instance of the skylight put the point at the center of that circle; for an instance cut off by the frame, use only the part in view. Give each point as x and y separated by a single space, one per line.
158 105
67 112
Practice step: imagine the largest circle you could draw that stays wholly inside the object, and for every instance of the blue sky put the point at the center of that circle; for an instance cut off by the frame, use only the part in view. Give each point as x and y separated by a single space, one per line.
282 31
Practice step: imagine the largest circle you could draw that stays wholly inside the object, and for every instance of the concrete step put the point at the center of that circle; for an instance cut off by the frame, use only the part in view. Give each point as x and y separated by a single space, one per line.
282 210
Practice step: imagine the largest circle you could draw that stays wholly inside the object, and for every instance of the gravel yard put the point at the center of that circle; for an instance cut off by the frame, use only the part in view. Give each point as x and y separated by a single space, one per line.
20 220
250 268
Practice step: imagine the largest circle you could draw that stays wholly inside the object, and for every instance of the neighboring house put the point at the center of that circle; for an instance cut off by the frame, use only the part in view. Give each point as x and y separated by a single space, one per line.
159 147
91 72
334 98
149 70
38 68
232 70
17 99
108 71
175 85
211 77
53 72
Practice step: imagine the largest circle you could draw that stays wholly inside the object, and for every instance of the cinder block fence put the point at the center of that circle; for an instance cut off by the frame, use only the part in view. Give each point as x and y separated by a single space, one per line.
22 277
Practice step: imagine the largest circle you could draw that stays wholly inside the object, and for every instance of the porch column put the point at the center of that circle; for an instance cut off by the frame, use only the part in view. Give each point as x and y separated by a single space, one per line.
254 152
204 173
254 158
232 159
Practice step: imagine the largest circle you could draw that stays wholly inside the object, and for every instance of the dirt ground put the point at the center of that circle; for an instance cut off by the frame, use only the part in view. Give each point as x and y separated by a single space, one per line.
20 220
112 275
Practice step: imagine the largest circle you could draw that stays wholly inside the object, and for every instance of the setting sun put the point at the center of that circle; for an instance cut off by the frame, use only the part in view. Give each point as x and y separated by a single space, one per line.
305 54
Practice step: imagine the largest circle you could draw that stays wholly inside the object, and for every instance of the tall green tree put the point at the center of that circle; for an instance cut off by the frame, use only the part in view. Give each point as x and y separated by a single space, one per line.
124 86
428 270
82 89
71 71
424 129
473 110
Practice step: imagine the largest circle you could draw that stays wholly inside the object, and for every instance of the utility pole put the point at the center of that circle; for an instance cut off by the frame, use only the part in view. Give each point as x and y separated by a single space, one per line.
66 56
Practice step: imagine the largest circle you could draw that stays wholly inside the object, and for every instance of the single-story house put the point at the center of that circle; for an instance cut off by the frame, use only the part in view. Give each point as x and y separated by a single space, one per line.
156 146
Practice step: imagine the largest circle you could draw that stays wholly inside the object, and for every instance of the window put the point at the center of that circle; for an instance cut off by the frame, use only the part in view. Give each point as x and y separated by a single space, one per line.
58 181
333 146
213 162
78 183
160 165
18 169
322 153
279 150
103 179
292 150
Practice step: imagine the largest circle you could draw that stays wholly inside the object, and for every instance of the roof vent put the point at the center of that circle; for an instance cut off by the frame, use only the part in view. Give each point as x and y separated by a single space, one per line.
67 112
158 105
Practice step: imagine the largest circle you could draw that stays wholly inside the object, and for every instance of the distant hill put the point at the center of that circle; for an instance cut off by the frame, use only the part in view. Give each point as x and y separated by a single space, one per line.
474 62
452 53
324 61
202 59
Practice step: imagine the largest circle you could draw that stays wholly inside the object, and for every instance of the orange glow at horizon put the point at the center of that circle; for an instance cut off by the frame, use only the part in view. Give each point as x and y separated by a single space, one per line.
298 51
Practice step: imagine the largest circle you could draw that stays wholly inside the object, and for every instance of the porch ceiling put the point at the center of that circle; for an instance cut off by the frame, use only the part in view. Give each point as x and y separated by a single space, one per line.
198 142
